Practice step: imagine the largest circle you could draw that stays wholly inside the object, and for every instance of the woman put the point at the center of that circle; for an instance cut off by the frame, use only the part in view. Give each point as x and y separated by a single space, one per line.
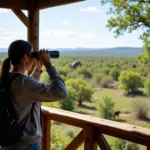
26 90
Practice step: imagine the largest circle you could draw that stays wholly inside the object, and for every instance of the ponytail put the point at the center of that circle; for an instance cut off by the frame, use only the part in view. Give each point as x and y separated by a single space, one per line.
5 69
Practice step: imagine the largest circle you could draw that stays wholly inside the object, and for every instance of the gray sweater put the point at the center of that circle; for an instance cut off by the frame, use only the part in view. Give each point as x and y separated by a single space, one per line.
25 91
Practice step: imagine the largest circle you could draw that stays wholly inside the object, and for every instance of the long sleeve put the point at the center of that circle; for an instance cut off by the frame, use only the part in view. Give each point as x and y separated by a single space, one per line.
32 90
35 74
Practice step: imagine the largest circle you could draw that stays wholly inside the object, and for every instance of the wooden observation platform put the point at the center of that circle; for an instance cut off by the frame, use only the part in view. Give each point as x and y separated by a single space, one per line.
92 128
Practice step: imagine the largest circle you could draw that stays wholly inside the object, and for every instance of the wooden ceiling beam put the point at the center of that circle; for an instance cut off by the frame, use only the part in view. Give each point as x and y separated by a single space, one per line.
21 16
14 4
52 3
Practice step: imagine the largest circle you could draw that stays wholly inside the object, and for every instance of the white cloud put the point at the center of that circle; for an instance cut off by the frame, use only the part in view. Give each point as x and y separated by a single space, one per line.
91 9
7 36
4 10
67 33
65 22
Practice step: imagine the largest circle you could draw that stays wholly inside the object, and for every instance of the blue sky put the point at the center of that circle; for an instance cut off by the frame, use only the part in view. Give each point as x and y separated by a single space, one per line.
80 24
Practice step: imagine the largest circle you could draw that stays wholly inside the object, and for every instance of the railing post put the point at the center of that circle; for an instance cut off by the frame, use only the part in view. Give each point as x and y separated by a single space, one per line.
90 138
102 142
46 132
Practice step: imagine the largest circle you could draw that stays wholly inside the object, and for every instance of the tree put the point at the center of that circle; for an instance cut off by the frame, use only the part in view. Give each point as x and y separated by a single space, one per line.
83 71
106 107
69 104
115 72
82 88
130 81
128 16
106 81
147 87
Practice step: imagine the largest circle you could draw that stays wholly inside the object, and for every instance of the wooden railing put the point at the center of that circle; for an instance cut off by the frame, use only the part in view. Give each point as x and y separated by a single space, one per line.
92 130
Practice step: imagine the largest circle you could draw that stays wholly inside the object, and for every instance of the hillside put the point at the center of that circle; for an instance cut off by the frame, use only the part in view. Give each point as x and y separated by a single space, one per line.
118 51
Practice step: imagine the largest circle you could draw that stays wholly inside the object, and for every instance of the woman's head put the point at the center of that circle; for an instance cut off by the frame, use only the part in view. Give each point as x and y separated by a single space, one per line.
19 55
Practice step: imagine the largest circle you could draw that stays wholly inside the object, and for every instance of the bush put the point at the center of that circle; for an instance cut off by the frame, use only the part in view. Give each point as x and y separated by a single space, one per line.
130 81
147 87
69 104
106 107
124 145
115 72
141 108
70 132
85 73
58 141
97 79
106 81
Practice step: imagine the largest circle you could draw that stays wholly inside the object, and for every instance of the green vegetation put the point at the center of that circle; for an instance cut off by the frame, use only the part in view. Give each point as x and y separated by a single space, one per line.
130 81
96 84
125 17
106 108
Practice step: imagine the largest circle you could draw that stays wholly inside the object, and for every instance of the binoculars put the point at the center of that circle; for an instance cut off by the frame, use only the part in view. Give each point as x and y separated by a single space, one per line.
53 54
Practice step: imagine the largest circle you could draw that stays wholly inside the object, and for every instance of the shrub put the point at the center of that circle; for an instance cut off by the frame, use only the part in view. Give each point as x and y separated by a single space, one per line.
115 72
106 107
69 104
140 108
124 145
58 141
106 81
147 87
130 81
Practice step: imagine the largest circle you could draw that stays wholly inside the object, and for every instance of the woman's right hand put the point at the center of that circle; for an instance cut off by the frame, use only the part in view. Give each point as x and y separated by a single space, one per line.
45 58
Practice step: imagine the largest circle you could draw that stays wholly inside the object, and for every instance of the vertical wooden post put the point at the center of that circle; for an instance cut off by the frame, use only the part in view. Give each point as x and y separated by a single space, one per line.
33 30
89 138
148 147
46 133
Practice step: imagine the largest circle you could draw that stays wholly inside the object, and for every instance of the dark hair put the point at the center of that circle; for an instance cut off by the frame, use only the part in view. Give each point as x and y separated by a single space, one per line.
16 51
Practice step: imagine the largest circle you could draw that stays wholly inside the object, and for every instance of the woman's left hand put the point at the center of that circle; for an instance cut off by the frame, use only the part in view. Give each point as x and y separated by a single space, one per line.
38 64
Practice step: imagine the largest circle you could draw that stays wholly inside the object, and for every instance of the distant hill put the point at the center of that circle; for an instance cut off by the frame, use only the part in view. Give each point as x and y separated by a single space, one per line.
116 51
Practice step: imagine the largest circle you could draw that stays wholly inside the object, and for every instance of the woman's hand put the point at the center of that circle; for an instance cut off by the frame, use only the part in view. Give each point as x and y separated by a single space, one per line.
44 58
38 64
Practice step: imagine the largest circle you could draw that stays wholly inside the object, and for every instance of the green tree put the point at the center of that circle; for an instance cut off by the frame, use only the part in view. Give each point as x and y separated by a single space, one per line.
83 71
115 72
106 107
69 104
82 88
106 81
130 81
128 16
147 87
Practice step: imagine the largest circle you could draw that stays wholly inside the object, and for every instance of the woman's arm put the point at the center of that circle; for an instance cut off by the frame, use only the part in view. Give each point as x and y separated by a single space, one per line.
35 91
36 74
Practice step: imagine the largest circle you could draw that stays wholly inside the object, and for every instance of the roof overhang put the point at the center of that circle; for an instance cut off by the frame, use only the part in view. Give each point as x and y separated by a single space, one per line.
37 4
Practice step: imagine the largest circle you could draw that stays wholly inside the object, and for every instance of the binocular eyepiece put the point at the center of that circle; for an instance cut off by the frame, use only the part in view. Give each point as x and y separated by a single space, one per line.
53 54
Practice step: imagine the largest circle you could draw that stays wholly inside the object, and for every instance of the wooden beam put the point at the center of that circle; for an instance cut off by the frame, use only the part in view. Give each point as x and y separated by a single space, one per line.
89 138
52 3
33 31
21 16
101 141
46 133
79 139
14 4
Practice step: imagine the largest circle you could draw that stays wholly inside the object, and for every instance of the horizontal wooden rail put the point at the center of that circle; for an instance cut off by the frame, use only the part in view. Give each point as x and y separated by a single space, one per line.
96 128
